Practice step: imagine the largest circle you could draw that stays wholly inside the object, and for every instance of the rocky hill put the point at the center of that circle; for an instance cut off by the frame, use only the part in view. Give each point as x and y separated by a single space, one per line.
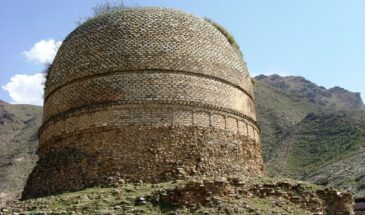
299 89
18 142
311 133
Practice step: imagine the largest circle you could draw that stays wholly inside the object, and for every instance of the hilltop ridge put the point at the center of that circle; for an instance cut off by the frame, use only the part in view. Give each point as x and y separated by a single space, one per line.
297 87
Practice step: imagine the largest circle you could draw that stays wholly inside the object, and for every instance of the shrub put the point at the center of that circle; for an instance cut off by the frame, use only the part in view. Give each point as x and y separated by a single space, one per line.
104 8
228 35
108 7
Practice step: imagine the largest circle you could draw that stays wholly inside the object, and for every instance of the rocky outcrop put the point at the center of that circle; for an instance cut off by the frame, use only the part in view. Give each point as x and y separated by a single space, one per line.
349 99
318 200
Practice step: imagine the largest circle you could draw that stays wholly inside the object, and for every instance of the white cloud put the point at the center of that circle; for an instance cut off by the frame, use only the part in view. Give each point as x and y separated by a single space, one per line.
26 89
43 51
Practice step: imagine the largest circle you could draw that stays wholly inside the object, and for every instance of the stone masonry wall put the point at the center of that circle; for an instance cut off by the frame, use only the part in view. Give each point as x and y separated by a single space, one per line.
150 153
151 86
115 116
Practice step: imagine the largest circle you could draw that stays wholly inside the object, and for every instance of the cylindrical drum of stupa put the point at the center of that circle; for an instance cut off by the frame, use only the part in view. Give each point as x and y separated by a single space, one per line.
147 94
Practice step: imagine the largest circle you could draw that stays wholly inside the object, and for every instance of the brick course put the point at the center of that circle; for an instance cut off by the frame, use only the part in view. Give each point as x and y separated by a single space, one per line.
148 86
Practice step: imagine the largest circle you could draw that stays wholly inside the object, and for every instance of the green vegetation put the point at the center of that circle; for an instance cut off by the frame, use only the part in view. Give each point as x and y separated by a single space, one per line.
108 7
104 8
228 35
105 200
46 71
323 139
143 198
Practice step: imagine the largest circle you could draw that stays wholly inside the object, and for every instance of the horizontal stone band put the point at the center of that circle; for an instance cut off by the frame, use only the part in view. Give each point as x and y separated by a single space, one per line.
178 104
122 116
140 86
48 94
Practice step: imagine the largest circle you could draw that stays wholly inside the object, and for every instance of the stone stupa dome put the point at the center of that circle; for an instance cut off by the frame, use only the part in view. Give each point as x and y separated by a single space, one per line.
144 94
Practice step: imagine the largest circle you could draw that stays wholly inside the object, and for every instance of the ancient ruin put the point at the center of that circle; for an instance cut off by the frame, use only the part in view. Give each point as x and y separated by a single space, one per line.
145 94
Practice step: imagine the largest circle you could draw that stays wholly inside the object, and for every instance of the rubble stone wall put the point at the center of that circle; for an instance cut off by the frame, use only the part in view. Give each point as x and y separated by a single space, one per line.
150 153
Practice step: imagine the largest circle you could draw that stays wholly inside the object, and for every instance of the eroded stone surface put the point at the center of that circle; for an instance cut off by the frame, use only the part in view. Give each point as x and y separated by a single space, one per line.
148 153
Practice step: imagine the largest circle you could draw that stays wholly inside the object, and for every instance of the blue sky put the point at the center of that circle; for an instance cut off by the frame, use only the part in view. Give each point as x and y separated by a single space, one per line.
323 41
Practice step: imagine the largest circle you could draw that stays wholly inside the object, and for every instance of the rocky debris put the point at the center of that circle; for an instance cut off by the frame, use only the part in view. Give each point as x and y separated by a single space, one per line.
198 195
208 192
194 192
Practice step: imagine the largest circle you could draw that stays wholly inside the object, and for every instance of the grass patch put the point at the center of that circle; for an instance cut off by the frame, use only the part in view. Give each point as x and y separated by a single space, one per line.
228 35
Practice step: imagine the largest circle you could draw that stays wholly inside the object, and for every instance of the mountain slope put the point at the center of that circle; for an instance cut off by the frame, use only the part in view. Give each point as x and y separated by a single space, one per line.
277 111
309 131
322 143
19 126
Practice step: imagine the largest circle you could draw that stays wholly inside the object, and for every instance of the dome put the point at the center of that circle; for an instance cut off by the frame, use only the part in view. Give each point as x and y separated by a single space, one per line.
145 39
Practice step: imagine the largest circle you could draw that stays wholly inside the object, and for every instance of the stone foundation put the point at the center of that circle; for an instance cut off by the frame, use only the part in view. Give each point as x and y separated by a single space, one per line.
147 153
